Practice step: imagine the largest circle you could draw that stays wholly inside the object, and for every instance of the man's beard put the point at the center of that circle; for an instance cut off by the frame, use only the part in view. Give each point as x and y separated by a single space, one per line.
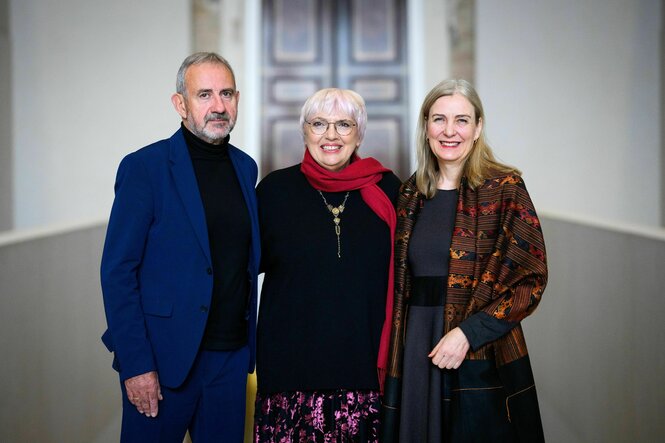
214 137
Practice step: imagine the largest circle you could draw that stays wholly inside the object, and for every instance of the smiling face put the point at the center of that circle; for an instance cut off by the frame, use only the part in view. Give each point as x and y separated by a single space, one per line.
452 130
210 104
331 150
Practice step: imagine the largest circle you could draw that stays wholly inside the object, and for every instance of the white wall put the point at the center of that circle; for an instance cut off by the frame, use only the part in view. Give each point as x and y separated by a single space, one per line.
571 89
428 34
572 95
239 23
662 113
6 176
91 81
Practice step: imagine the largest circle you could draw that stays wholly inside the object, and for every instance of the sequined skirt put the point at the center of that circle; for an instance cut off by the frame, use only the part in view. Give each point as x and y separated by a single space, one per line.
317 416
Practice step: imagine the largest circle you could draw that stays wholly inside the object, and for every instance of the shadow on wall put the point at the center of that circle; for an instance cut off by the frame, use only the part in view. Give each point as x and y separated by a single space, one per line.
597 337
56 377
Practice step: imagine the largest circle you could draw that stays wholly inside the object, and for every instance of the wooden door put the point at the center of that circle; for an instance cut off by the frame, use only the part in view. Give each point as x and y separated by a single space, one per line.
352 44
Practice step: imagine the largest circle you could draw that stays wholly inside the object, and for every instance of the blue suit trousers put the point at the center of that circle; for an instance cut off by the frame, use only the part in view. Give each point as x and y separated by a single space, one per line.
210 404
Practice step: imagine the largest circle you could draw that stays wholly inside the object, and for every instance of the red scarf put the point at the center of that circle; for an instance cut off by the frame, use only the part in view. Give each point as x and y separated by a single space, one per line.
363 174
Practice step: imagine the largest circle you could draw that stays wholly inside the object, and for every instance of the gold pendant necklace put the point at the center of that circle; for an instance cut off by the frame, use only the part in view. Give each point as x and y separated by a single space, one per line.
336 212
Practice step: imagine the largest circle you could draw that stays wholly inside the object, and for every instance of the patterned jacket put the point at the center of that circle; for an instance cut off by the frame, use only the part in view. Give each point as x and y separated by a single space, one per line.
497 266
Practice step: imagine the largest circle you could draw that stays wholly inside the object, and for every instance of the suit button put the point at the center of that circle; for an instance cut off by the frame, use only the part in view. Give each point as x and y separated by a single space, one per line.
209 271
204 308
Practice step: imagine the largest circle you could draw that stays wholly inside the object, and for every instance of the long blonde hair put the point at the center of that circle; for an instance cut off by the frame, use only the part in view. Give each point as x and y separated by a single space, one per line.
480 164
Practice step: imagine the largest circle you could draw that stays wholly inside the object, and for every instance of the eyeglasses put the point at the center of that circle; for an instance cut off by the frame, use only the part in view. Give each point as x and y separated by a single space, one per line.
319 127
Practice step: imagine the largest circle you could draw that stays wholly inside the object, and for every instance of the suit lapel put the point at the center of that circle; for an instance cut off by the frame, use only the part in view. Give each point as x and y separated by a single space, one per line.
188 189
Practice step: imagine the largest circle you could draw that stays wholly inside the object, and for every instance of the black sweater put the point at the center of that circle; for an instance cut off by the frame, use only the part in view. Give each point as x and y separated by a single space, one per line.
229 235
320 316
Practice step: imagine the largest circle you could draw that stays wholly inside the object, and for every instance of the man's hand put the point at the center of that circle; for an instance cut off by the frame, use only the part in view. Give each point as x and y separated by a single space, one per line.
143 391
451 350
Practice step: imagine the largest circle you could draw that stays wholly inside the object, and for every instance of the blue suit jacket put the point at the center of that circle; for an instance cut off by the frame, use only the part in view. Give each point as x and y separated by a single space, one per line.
156 270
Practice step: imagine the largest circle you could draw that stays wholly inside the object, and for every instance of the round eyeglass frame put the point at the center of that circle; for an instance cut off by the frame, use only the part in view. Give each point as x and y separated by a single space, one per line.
343 131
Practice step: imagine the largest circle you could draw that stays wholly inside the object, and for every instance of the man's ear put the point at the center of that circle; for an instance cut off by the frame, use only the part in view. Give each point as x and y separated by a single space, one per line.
179 104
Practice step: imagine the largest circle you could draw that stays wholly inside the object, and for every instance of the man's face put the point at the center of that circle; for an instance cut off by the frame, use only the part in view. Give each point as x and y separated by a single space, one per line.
210 104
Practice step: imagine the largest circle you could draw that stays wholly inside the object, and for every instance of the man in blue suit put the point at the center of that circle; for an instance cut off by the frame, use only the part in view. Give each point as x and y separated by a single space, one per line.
179 270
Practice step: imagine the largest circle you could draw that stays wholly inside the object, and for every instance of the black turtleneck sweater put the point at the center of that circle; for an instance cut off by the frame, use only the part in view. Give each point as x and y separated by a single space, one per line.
229 235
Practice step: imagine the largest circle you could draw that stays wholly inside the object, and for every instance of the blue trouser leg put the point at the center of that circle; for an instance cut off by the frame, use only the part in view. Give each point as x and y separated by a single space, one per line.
220 415
211 404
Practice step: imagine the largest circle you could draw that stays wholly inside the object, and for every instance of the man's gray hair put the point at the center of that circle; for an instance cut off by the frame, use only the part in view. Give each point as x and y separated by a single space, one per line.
196 59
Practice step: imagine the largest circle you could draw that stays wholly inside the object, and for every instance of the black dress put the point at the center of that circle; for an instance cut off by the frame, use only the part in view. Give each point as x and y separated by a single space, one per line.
422 413
432 410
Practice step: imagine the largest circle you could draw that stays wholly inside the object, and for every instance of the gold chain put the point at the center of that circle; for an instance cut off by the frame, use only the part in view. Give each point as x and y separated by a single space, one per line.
336 212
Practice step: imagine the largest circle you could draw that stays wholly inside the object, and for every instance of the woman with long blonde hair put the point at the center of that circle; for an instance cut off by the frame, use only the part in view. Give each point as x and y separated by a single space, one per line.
469 266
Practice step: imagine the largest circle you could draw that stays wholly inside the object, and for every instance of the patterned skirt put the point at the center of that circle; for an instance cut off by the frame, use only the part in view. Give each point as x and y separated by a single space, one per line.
317 416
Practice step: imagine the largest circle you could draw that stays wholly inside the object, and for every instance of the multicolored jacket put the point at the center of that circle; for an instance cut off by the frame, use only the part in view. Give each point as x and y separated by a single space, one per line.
497 267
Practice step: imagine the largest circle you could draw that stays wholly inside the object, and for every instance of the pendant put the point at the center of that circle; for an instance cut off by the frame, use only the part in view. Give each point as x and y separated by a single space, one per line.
336 211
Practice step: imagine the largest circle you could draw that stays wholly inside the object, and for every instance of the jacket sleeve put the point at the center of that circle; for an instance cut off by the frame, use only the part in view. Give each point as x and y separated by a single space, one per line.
126 237
516 270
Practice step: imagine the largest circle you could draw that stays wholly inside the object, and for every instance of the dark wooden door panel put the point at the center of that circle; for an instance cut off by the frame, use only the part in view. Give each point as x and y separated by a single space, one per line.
354 44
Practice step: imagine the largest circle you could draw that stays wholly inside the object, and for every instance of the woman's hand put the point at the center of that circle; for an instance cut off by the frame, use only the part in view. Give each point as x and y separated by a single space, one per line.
451 350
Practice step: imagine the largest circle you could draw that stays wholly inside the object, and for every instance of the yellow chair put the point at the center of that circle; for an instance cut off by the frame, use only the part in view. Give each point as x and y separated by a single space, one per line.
249 411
